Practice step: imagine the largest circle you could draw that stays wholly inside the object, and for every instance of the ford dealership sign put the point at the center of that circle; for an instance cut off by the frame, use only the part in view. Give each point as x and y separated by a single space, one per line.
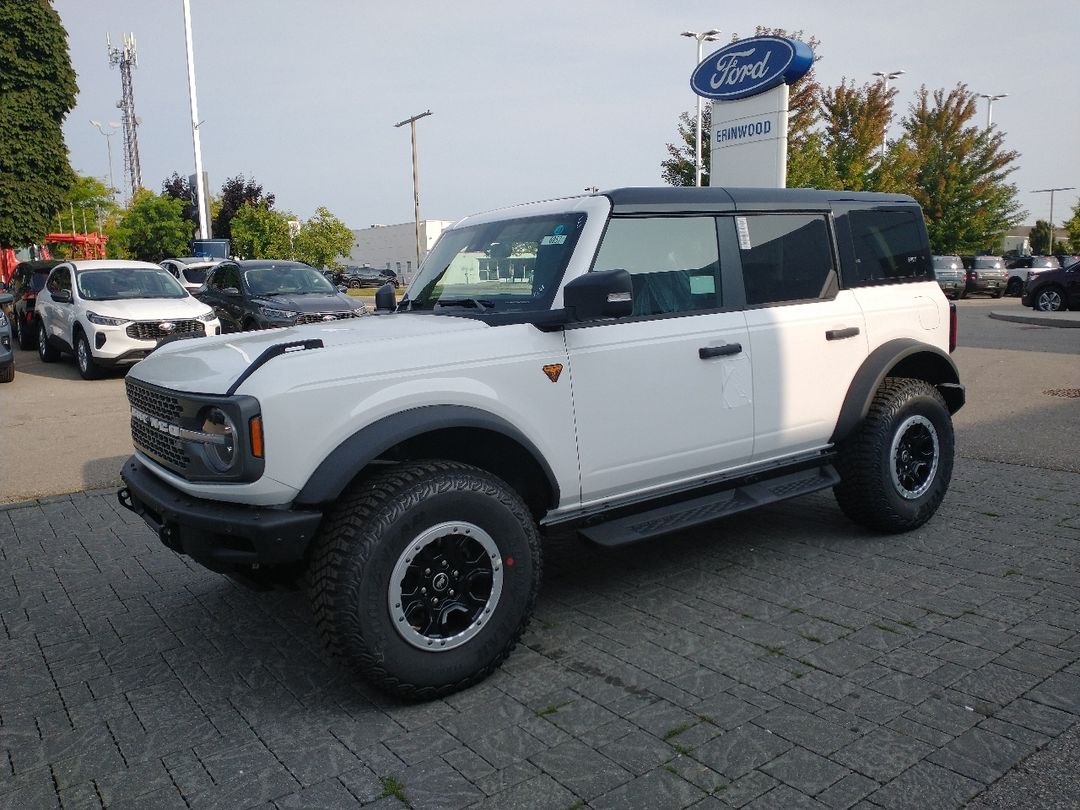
751 66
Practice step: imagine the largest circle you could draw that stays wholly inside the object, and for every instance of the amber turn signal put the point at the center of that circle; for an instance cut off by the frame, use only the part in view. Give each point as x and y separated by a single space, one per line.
255 430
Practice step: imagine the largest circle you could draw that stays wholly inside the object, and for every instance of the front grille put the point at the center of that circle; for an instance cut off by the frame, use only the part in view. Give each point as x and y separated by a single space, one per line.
152 402
151 330
167 448
319 317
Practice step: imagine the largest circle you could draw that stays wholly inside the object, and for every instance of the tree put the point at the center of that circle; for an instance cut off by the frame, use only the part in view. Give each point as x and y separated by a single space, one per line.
178 188
88 197
1040 238
853 121
803 103
322 239
259 232
151 229
958 172
236 192
1072 225
37 91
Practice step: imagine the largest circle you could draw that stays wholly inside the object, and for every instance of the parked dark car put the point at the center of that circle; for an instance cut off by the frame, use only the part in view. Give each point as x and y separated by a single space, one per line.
264 293
951 276
1054 290
985 274
370 277
1021 268
26 282
7 355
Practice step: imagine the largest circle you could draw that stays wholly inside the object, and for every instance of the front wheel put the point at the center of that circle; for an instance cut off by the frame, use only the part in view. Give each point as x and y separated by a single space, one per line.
84 358
1015 288
1050 299
424 577
896 467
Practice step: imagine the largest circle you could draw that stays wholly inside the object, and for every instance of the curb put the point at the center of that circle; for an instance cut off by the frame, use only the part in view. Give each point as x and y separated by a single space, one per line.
1060 319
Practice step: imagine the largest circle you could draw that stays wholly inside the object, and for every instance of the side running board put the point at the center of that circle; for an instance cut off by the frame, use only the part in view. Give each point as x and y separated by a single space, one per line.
675 517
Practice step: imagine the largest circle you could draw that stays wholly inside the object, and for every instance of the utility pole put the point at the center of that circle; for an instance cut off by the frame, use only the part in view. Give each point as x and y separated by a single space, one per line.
990 99
1051 191
200 185
704 36
127 58
415 176
886 76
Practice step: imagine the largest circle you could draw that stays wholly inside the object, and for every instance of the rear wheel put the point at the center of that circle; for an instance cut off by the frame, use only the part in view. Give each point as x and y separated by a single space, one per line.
895 469
84 358
24 333
47 353
999 292
7 374
1016 287
423 578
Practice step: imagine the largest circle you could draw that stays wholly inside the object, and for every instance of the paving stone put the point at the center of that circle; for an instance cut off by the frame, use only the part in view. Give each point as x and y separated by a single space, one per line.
847 791
926 785
740 750
805 771
981 754
658 788
882 754
638 752
810 731
746 788
1060 691
587 773
786 797
840 657
539 793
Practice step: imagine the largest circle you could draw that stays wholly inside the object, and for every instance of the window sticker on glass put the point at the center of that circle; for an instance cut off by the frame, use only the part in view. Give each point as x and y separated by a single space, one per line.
744 233
558 239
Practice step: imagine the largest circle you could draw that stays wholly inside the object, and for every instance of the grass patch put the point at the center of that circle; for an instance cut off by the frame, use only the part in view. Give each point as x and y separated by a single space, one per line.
392 787
906 623
774 649
886 628
544 712
578 805
681 749
814 639
705 718
1012 572
677 730
746 615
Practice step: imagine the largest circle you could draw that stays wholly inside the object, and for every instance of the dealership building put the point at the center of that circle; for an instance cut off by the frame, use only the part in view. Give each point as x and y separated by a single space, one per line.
394 246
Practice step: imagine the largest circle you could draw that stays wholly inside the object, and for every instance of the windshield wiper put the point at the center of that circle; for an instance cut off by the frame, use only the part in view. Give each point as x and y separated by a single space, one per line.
475 303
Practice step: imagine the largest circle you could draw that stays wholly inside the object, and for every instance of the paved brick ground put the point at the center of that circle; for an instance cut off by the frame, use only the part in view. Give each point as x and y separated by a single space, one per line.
781 659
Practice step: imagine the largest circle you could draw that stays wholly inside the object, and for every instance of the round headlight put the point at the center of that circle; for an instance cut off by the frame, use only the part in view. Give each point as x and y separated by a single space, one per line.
221 450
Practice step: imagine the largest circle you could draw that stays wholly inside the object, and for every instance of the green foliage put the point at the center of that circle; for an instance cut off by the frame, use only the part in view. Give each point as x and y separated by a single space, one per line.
854 119
37 90
90 195
322 239
260 233
958 172
1072 225
237 192
678 169
151 229
1040 238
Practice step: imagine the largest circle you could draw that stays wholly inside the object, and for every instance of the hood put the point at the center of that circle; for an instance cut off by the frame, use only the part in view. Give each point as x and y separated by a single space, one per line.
149 309
311 302
210 365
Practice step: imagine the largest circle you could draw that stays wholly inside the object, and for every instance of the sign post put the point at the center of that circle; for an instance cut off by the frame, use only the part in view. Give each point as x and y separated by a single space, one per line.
748 83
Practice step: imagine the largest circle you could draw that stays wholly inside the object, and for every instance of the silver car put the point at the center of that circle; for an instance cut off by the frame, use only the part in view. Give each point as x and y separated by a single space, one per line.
949 271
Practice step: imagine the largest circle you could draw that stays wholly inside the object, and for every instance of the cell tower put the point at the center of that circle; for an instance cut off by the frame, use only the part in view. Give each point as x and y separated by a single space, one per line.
127 58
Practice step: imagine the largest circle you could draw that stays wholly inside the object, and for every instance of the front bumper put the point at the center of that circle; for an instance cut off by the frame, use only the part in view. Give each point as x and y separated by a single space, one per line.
112 346
224 537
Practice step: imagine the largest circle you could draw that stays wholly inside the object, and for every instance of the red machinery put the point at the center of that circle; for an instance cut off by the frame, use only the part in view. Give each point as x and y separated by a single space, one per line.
83 246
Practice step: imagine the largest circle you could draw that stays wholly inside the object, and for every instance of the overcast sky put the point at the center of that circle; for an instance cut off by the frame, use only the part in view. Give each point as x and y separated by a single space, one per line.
528 101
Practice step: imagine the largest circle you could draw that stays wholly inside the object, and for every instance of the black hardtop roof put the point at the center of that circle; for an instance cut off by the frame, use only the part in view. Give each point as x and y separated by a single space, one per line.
38 265
734 199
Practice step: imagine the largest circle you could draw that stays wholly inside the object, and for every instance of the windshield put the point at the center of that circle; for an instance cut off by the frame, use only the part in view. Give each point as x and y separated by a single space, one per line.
988 263
287 280
509 265
1045 261
127 282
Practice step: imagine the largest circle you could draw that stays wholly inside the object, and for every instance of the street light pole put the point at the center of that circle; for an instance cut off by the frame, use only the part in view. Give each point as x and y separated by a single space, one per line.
704 36
990 99
886 76
415 176
108 146
1051 191
200 186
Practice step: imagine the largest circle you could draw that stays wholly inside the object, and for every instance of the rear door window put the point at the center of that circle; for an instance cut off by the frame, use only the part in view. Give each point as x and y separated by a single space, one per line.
786 257
889 246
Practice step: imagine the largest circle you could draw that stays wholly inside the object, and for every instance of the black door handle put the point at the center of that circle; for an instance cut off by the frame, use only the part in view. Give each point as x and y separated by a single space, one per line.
705 352
840 334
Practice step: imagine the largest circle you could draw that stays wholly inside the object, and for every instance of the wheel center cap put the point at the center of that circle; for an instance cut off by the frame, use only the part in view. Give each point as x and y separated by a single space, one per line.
440 582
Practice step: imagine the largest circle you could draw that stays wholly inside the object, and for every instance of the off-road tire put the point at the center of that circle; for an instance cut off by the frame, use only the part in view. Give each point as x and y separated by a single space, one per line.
368 533
867 493
84 358
47 353
1015 288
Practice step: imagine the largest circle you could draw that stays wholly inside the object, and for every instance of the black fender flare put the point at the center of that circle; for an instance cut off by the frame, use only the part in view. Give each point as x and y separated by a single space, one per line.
356 452
909 358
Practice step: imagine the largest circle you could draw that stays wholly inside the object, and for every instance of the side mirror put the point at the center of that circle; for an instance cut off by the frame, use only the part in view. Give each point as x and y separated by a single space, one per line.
62 296
230 291
385 300
604 294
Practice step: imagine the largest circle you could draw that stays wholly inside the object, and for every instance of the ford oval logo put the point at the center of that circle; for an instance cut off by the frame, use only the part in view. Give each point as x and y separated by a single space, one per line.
751 66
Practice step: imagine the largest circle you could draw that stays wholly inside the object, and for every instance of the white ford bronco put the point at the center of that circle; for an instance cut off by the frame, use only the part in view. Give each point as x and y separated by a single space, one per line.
624 364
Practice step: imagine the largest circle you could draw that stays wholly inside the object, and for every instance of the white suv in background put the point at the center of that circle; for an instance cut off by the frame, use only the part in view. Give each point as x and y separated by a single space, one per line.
191 271
109 313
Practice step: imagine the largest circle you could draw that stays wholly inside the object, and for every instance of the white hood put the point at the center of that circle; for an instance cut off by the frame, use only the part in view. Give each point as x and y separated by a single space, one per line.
211 365
149 309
